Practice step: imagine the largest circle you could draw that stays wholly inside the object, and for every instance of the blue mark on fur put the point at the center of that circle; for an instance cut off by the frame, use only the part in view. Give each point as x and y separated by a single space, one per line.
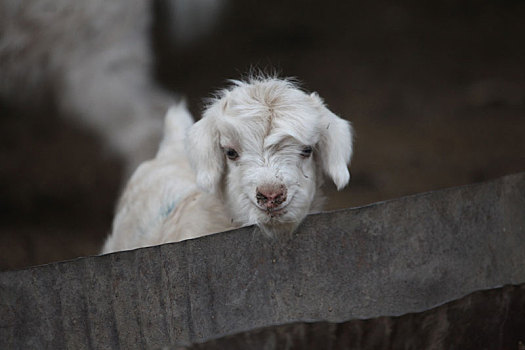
167 210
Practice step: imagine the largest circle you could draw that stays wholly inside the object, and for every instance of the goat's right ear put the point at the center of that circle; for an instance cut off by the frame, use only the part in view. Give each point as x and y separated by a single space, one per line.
204 153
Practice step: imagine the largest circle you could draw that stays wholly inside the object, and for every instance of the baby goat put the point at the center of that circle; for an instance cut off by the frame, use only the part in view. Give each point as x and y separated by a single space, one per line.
257 157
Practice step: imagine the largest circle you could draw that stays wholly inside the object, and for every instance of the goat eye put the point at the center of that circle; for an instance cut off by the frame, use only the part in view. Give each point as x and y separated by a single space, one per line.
306 152
231 154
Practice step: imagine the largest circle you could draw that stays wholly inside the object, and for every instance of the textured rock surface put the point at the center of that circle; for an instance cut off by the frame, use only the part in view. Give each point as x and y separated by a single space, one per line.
387 259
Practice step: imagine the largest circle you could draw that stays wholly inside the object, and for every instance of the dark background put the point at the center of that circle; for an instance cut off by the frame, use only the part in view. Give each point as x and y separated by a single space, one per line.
435 91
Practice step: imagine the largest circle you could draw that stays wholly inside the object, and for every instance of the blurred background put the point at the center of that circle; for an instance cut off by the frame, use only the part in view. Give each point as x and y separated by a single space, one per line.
435 91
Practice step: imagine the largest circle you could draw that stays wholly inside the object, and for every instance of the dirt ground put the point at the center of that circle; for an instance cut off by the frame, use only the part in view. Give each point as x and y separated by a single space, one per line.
435 91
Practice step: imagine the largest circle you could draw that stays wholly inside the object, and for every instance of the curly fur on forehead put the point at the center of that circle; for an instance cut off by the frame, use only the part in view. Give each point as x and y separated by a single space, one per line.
263 89
266 108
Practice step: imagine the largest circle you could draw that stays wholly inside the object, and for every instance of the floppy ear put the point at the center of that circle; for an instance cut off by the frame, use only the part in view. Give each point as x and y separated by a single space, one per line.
204 152
335 144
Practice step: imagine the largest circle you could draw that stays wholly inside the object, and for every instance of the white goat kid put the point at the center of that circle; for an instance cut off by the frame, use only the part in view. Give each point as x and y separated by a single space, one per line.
257 156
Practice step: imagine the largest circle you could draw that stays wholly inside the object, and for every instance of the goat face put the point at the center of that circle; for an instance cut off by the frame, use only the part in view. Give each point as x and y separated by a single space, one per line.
263 147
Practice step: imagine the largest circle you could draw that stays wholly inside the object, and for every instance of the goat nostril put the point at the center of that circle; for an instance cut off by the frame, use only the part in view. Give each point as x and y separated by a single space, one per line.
271 198
261 197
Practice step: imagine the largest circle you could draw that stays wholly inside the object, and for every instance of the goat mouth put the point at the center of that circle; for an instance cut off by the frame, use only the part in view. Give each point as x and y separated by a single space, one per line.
272 211
275 212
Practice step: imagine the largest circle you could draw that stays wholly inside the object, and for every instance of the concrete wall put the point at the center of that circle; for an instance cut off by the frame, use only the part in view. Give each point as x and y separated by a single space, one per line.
391 258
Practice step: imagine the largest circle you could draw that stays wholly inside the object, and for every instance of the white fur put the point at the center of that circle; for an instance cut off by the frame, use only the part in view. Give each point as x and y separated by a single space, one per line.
197 190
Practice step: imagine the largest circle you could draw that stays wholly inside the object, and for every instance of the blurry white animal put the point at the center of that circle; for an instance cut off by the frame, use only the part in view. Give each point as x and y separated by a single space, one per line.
257 156
92 60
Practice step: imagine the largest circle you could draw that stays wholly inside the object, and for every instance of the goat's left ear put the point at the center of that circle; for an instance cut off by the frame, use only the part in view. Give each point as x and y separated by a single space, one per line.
335 144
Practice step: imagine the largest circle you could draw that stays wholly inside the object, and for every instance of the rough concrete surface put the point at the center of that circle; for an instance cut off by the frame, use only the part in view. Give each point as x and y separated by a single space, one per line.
387 259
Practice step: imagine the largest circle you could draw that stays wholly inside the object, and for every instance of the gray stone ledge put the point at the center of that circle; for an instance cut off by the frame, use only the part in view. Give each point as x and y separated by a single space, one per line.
390 258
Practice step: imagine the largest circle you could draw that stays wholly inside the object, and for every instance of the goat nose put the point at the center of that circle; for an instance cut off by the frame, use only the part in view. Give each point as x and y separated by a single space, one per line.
271 196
